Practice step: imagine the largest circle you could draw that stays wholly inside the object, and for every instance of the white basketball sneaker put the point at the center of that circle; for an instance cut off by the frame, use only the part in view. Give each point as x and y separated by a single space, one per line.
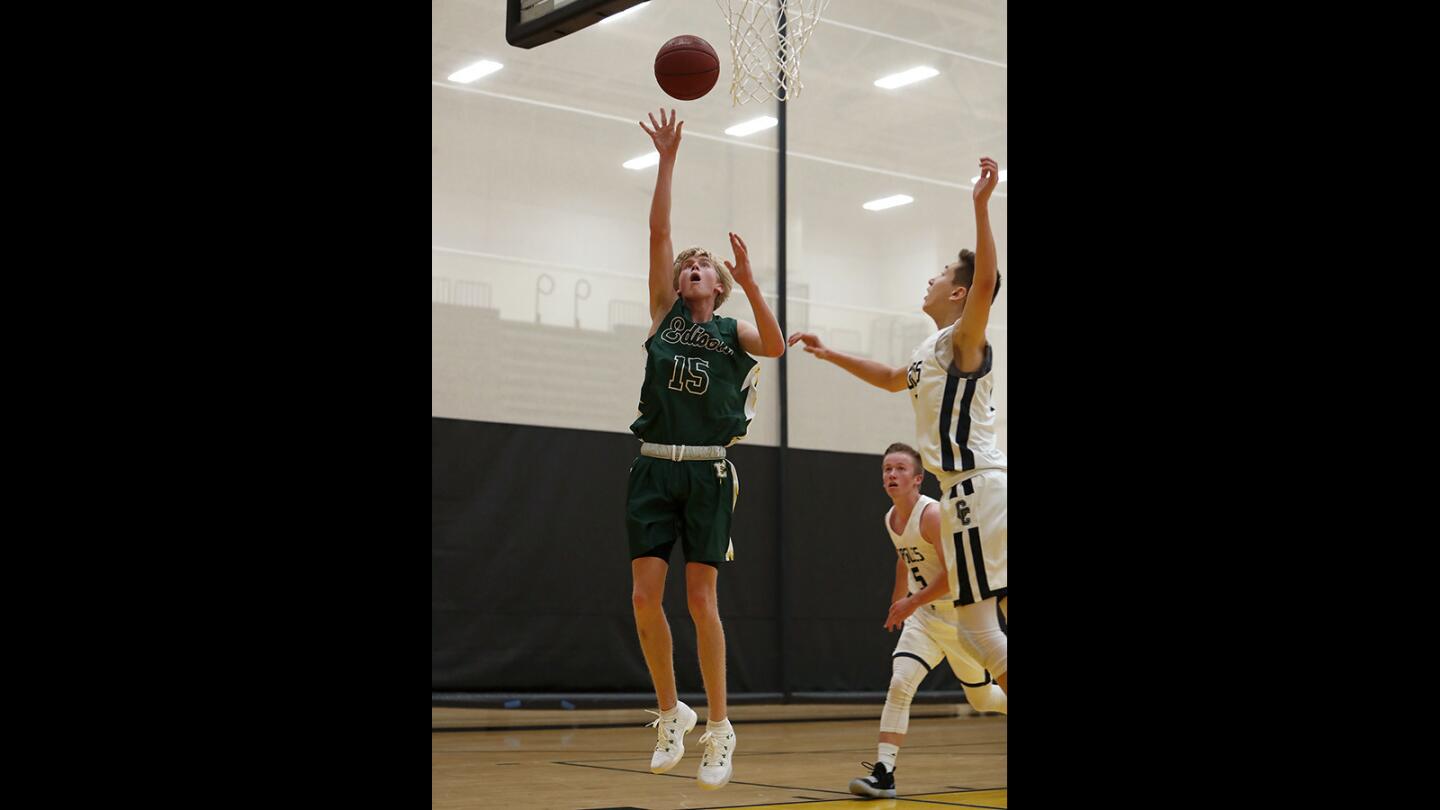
670 737
718 760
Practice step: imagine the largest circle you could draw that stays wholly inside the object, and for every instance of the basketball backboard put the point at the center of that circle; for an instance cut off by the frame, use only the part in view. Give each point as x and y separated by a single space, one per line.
535 22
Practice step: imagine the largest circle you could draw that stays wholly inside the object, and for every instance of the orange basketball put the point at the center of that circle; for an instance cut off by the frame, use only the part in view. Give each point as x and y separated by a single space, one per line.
686 67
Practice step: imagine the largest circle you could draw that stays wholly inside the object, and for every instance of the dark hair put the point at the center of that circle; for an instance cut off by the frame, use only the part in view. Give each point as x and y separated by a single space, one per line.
901 447
965 273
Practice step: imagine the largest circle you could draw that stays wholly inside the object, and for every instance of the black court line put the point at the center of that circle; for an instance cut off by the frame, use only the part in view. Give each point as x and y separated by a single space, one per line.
732 781
962 753
768 804
859 800
916 798
555 727
570 752
913 798
949 803
761 804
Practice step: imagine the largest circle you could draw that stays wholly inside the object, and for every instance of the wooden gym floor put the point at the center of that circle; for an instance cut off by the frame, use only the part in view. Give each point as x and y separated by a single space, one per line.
798 756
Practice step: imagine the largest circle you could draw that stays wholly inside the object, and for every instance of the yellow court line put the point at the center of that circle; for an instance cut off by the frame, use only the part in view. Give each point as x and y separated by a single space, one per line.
969 798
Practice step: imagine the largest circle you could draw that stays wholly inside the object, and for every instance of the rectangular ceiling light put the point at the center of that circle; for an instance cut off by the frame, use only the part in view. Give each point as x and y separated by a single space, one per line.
469 74
643 161
752 126
910 76
889 202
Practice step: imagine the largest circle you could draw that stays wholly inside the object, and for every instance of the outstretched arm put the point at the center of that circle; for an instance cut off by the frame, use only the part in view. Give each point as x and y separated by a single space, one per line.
666 137
969 335
762 338
877 374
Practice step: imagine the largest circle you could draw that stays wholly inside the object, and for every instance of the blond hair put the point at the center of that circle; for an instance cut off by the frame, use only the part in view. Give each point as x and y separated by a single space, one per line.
727 281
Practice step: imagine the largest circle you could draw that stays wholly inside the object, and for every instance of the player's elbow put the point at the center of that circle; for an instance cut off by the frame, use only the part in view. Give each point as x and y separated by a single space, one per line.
773 351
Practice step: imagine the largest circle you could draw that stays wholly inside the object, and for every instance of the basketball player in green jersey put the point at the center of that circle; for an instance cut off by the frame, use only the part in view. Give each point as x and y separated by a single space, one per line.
697 399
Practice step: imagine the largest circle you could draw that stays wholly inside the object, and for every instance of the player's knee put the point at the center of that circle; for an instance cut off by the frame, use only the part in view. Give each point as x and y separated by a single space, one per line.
902 689
895 717
702 603
905 676
645 602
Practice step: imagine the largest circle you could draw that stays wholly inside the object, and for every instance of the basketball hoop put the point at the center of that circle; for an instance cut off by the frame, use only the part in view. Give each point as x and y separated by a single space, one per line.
766 40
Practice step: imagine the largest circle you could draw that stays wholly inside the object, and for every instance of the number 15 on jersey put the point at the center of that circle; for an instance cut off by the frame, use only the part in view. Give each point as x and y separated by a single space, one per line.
690 376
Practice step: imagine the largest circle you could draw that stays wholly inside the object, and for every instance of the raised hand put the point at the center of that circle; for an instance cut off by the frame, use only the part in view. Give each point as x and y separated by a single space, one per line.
812 344
740 270
665 133
989 178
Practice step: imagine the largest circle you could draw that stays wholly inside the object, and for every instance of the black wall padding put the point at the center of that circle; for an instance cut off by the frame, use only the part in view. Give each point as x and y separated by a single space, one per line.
530 577
842 569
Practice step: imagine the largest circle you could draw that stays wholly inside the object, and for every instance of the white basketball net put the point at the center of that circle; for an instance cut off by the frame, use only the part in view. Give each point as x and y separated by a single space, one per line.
764 58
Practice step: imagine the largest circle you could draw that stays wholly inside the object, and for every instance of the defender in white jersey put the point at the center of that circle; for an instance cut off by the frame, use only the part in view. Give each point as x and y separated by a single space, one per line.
921 603
950 383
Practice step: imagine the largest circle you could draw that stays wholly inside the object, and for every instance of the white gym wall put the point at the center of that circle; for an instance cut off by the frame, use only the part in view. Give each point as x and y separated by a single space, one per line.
538 244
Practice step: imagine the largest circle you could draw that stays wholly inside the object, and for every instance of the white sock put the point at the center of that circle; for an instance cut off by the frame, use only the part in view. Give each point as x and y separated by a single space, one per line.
669 714
719 726
889 752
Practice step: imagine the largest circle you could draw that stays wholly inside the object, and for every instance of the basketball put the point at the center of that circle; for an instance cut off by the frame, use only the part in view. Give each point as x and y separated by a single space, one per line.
686 67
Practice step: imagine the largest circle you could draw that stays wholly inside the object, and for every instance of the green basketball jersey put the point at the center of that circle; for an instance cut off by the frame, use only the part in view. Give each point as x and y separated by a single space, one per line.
699 383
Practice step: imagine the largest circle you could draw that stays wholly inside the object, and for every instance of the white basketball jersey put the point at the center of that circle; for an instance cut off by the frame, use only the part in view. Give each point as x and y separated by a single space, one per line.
954 412
920 557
